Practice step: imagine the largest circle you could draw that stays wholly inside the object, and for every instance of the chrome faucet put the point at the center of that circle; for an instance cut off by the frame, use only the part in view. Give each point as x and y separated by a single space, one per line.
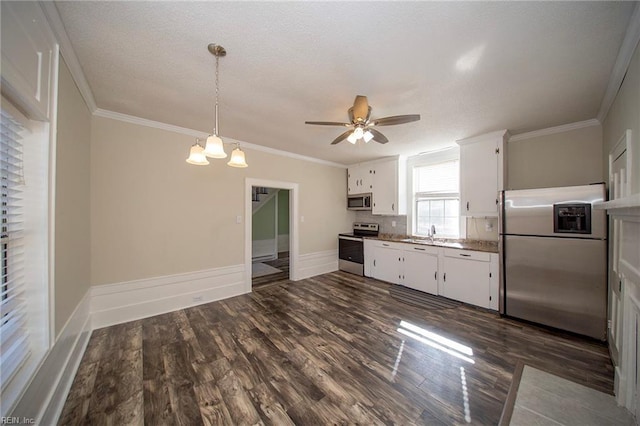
432 232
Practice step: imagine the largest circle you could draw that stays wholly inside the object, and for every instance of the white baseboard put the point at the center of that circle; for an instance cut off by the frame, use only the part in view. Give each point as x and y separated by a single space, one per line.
46 394
128 301
317 263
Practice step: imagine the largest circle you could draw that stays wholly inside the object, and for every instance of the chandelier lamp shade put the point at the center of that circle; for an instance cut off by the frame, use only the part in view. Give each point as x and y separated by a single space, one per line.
214 145
360 133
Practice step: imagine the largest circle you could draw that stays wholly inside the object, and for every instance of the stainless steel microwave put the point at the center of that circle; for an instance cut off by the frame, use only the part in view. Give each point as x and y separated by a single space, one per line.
359 202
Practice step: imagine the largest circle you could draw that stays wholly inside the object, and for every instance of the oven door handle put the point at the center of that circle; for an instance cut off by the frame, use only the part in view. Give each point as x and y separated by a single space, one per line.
349 238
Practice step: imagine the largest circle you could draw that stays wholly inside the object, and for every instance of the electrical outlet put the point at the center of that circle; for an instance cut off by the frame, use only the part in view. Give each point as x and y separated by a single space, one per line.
488 226
393 223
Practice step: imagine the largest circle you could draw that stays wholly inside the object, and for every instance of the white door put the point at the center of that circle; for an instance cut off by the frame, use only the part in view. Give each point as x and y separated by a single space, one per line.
467 281
386 264
385 188
479 178
421 271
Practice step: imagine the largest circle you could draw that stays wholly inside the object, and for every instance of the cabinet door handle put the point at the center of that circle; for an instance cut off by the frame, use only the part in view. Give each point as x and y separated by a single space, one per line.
393 206
444 277
467 206
435 275
465 255
419 248
385 244
374 262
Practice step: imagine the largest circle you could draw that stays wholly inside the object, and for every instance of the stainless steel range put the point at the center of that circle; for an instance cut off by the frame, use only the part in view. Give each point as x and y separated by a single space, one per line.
351 247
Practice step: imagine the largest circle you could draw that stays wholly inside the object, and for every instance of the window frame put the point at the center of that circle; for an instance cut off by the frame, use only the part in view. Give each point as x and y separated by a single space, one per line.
38 143
429 159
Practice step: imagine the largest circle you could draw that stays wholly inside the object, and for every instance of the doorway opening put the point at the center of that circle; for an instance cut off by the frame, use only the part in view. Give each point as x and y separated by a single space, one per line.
269 235
271 241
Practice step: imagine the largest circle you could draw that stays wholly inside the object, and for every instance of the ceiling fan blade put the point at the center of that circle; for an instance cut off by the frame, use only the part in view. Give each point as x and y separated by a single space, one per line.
396 119
378 137
361 108
341 137
327 123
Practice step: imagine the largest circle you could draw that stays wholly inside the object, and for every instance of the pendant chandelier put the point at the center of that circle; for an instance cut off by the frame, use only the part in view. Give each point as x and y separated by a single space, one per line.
214 146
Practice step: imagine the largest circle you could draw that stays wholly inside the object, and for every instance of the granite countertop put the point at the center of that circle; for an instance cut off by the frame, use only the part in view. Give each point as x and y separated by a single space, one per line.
463 244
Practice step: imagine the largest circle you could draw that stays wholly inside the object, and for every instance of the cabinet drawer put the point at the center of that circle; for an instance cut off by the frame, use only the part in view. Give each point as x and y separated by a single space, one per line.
386 244
468 254
422 248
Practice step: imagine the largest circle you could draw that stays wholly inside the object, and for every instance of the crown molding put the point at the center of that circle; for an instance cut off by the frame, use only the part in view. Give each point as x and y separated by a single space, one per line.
554 130
625 54
198 134
67 52
148 123
492 135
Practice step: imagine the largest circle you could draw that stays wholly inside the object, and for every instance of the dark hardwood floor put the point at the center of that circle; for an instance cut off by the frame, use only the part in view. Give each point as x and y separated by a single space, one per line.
333 349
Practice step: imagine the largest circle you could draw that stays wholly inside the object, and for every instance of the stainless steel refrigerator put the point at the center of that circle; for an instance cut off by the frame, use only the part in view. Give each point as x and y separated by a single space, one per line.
553 253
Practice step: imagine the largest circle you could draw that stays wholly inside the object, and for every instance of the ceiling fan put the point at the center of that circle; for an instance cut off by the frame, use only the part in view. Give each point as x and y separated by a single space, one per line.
361 125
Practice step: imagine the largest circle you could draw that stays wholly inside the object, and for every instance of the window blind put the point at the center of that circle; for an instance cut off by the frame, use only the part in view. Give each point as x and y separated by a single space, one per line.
14 338
437 178
436 198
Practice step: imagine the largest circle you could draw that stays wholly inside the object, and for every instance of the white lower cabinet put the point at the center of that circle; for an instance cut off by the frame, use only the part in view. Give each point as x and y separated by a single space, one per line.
386 263
464 275
420 268
470 277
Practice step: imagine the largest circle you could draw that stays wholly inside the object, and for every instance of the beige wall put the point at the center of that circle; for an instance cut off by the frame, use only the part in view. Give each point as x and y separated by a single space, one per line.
153 214
562 159
72 211
625 114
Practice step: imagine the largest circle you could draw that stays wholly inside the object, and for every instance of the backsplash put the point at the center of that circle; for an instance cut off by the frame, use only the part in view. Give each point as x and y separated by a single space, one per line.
477 228
386 222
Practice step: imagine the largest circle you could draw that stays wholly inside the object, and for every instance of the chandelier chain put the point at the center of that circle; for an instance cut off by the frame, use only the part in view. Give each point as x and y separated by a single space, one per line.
215 130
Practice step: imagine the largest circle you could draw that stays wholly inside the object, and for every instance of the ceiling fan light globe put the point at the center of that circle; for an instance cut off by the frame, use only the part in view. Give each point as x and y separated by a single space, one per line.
237 159
358 132
352 138
214 147
196 156
367 136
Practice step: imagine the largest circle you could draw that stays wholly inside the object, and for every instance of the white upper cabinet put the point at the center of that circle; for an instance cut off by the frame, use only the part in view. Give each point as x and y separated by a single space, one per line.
482 173
385 179
28 49
359 179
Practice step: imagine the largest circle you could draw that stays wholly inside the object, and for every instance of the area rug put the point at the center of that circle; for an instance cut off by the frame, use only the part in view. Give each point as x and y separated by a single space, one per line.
540 398
420 299
262 269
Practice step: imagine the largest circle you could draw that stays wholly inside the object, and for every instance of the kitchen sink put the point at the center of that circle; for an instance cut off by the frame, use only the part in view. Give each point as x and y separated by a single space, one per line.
439 243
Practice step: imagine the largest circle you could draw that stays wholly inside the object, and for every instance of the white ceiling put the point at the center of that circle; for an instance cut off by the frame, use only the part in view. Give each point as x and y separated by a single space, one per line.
466 67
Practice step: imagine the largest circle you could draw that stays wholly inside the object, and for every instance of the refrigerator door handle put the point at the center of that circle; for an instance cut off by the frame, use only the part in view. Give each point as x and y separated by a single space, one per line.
502 296
500 202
